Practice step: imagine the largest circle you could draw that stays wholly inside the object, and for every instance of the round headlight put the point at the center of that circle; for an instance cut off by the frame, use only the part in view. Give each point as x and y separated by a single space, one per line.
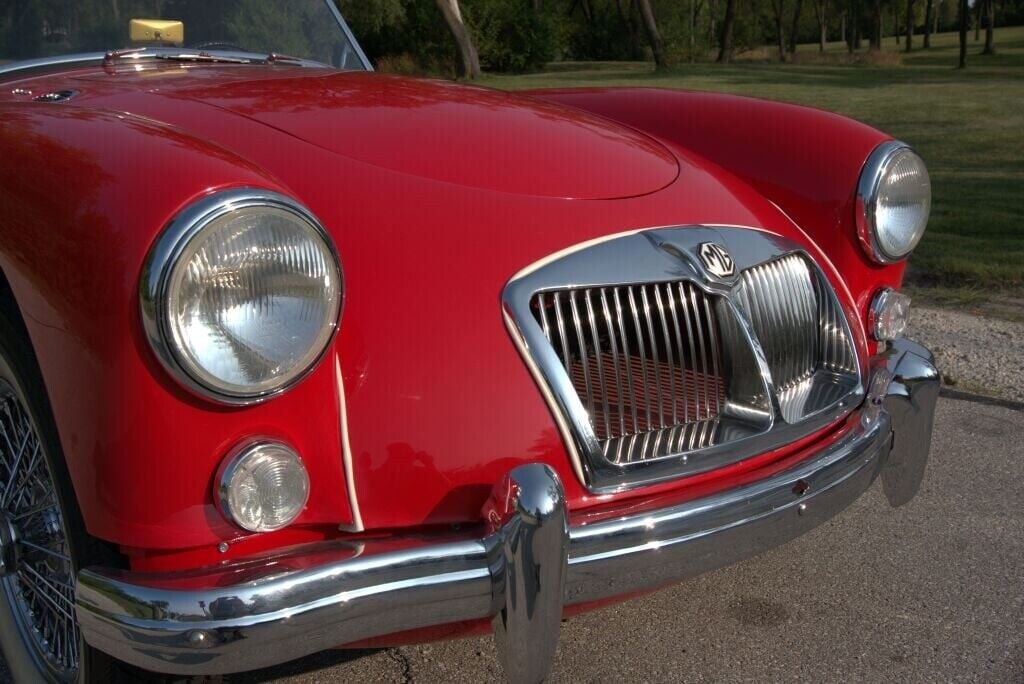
263 487
894 199
241 295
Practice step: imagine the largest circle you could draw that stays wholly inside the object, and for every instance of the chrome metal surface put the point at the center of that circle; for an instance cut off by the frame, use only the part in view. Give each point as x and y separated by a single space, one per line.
45 63
659 362
333 7
530 579
910 401
867 196
662 387
160 263
56 96
38 578
880 303
245 615
803 332
717 260
228 468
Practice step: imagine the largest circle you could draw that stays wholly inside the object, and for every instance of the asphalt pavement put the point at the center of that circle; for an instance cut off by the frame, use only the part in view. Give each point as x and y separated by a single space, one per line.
933 591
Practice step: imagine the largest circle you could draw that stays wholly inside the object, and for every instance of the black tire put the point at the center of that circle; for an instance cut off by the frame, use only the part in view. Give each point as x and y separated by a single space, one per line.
24 623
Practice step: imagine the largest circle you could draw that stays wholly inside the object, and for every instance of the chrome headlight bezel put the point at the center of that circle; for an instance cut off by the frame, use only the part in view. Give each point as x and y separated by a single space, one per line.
874 172
159 268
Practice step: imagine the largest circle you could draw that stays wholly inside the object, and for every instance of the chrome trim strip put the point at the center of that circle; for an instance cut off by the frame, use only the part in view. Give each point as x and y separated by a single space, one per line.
256 613
30 65
332 5
160 262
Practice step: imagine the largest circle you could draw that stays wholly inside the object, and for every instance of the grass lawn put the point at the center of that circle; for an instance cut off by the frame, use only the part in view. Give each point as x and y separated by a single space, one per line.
968 125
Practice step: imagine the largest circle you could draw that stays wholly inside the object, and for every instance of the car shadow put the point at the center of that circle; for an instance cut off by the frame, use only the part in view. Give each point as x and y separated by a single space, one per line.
318 661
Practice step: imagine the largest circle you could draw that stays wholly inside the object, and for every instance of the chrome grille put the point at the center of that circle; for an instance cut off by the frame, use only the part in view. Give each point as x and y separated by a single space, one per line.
645 361
801 330
779 300
655 367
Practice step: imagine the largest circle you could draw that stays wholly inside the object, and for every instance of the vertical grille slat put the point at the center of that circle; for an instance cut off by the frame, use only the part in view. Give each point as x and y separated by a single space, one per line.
799 326
650 388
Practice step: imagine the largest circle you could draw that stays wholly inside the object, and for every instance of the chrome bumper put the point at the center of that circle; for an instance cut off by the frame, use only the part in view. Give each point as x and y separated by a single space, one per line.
521 575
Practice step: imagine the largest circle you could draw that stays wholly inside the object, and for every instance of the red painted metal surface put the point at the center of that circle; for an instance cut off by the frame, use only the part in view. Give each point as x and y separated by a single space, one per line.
430 225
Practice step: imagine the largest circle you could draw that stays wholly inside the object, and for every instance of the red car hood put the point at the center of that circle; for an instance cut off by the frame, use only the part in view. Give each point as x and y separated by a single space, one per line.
472 137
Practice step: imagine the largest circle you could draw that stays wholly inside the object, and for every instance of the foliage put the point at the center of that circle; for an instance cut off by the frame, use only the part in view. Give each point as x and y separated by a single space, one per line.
512 36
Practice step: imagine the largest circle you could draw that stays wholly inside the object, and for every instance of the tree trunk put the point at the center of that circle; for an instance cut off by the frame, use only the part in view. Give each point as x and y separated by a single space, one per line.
467 50
977 20
854 26
963 34
725 50
651 26
696 6
842 29
779 11
990 28
712 17
929 8
821 13
796 26
910 25
626 16
876 25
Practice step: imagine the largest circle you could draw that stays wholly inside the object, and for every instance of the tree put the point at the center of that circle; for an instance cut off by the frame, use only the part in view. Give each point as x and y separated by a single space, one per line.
876 24
910 25
963 35
653 37
463 39
728 24
821 13
853 26
929 10
797 11
779 12
990 27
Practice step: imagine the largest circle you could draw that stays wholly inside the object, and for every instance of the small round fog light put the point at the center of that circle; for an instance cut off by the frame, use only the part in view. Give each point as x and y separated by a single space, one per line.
888 317
262 487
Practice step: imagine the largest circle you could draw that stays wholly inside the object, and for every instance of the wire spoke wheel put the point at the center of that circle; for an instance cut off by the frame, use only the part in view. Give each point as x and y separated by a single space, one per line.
36 570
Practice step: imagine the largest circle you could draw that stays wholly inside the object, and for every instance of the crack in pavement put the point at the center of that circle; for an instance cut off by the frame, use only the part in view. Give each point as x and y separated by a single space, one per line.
404 662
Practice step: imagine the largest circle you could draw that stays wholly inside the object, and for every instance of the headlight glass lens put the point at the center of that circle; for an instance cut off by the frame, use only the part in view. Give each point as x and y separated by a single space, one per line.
902 204
252 300
264 487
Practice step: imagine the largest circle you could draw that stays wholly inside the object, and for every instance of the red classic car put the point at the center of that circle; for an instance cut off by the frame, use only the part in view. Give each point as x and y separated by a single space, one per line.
295 355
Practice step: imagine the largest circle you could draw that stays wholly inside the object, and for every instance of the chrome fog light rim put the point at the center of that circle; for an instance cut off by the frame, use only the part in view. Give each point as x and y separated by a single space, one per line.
161 265
886 303
232 470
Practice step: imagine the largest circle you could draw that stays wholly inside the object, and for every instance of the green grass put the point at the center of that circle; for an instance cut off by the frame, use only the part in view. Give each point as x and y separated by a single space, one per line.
967 124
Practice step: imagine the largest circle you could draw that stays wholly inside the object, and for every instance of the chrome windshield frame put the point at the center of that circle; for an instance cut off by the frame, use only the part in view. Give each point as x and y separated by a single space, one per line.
84 59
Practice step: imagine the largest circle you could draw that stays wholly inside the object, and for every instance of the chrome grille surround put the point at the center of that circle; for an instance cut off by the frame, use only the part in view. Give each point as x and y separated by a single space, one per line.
656 368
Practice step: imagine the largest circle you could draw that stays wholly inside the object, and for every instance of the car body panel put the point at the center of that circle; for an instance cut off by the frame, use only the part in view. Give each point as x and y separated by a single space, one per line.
438 403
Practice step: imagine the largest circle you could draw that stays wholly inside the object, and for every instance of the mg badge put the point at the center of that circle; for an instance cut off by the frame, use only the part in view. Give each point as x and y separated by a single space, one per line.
716 260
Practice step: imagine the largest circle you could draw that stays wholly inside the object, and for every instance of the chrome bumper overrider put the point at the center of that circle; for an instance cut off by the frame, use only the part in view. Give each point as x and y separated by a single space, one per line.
521 575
